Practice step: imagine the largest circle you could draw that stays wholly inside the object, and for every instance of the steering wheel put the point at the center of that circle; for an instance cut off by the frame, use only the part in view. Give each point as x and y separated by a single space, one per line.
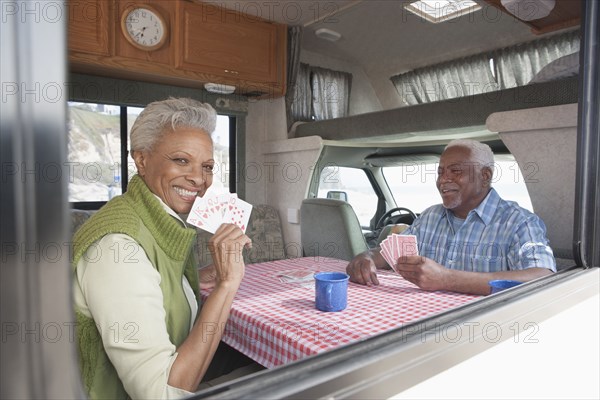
388 219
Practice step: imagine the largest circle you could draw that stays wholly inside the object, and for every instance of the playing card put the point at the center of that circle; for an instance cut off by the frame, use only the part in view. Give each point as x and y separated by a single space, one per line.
396 246
386 252
237 212
405 245
300 277
223 200
209 212
296 275
203 215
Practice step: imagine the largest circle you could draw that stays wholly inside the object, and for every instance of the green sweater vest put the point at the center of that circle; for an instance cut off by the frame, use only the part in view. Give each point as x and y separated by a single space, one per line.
168 246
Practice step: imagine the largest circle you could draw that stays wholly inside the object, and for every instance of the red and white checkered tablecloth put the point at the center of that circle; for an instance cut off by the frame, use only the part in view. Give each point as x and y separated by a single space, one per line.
275 323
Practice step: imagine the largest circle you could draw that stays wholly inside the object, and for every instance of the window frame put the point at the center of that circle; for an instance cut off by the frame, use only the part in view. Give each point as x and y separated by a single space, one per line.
123 134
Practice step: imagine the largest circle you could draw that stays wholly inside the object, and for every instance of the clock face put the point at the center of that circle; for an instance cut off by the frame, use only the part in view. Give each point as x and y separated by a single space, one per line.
144 28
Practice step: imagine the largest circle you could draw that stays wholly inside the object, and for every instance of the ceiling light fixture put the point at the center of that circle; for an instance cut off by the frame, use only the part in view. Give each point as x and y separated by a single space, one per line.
219 88
328 34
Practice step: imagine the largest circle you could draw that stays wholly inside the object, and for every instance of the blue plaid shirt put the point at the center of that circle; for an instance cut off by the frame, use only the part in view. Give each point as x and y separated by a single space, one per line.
498 235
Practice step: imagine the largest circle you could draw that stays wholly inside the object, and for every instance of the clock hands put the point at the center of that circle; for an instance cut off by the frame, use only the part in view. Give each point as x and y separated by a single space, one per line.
139 32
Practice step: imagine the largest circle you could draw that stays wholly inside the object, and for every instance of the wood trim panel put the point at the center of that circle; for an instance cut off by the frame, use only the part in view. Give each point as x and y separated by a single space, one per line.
90 27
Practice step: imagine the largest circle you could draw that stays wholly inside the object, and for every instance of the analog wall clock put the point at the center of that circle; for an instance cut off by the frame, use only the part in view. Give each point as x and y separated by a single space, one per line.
144 27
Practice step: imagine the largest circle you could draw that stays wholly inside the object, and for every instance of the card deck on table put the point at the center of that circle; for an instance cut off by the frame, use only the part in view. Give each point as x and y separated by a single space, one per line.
396 246
212 210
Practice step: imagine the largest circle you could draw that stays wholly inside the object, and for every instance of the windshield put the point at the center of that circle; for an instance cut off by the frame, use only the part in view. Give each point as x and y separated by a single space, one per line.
413 184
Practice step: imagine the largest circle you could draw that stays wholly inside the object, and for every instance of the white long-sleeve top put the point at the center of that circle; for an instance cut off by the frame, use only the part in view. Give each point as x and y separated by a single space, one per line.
130 317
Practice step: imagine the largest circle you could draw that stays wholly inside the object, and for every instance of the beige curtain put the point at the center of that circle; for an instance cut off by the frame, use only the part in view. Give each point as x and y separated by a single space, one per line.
293 66
516 66
513 66
458 78
330 93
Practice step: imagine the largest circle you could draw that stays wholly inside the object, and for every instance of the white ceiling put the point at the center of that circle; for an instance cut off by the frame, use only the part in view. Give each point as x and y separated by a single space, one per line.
382 39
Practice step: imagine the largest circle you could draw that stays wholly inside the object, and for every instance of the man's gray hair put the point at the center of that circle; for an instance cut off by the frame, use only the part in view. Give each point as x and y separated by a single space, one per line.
479 151
161 117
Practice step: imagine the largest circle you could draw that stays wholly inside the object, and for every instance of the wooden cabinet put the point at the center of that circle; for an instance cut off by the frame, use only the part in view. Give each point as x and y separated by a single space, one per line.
237 47
205 44
90 23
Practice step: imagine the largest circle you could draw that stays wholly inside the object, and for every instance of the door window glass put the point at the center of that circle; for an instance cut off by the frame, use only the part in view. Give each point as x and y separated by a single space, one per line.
352 183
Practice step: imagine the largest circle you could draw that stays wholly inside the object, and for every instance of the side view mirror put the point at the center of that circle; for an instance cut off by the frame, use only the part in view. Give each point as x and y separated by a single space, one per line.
337 195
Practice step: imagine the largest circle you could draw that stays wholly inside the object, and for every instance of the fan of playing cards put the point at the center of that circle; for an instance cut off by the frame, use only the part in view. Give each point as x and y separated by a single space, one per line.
212 210
396 246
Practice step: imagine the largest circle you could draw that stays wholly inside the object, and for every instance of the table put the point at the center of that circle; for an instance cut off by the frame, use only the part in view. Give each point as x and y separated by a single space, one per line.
275 323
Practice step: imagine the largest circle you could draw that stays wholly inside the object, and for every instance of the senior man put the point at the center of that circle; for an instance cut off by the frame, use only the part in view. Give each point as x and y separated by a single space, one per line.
473 237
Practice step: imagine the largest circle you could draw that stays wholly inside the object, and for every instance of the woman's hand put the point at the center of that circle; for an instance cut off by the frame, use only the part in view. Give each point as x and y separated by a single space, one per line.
226 249
207 277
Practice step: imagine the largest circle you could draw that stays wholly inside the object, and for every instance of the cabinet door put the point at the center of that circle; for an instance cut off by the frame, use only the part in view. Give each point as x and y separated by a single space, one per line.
238 47
130 54
89 27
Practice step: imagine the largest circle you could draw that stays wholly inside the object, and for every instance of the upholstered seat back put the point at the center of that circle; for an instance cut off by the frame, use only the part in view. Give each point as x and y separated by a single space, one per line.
330 228
264 229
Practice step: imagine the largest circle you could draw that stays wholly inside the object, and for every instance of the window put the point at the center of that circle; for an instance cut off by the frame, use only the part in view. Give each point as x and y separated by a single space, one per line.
335 181
94 156
413 184
98 148
441 10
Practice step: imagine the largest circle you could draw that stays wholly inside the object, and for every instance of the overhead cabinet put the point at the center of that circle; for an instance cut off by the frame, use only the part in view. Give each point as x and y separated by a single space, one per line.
189 44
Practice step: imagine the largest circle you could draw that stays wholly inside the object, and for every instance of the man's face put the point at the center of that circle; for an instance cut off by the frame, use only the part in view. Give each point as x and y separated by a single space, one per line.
462 181
178 168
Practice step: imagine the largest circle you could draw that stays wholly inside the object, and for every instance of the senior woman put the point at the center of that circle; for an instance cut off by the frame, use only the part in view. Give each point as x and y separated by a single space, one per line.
140 329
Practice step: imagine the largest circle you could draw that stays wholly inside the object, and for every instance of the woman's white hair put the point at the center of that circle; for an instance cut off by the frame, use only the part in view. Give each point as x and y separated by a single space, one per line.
479 151
161 117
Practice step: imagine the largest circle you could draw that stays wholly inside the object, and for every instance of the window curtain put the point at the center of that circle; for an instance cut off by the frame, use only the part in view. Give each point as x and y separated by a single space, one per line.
330 93
293 66
516 66
301 108
457 78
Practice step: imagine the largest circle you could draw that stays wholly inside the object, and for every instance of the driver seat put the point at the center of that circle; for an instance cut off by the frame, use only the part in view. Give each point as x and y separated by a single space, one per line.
330 228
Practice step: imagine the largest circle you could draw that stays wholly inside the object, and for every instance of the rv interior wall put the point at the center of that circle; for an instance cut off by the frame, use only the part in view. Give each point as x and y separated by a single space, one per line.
547 168
266 119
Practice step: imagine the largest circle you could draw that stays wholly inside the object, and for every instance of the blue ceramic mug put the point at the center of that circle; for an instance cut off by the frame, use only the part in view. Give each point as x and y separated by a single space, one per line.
501 284
331 291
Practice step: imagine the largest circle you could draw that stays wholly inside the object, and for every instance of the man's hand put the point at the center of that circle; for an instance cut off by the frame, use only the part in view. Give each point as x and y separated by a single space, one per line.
423 272
362 270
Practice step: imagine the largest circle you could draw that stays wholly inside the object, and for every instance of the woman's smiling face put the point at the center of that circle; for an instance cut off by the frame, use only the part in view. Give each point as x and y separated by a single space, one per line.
178 168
